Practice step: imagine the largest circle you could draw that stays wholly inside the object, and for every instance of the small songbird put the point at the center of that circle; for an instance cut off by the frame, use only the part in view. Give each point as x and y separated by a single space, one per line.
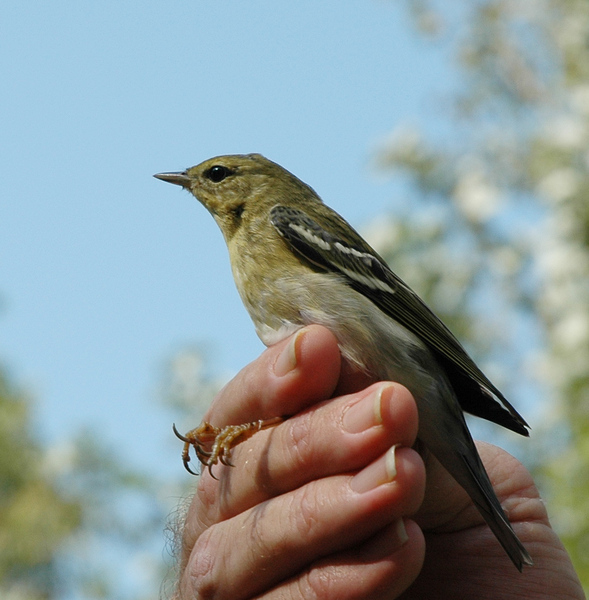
296 262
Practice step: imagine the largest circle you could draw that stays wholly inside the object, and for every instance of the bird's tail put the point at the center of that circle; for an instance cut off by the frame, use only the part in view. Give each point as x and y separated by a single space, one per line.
474 479
446 435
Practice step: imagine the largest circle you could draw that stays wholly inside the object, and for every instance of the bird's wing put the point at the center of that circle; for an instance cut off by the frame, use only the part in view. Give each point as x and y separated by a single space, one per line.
338 248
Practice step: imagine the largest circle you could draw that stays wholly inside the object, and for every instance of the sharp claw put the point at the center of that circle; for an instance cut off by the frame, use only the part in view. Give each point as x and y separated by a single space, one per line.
185 461
202 454
210 468
179 435
219 440
187 467
226 461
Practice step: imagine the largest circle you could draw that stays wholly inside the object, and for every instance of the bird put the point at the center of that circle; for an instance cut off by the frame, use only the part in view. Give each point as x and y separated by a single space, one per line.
297 262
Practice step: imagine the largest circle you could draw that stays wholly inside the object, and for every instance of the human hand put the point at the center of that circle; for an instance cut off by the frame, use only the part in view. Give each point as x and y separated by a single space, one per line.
311 511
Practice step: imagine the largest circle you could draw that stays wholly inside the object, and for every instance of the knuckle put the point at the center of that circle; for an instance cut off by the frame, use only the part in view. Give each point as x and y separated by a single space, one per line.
207 490
300 440
208 501
201 575
316 583
304 513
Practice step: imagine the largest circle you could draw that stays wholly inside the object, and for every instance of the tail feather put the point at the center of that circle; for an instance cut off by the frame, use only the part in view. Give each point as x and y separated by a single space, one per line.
482 494
444 432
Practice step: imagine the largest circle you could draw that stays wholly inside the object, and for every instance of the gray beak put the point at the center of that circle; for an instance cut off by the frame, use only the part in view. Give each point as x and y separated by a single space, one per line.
179 178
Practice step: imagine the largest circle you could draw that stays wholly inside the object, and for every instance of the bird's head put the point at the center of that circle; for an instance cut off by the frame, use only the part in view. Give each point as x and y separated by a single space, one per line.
240 187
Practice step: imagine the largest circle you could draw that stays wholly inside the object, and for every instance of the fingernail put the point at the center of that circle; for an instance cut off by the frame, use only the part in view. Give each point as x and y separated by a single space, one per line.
401 532
384 470
367 412
287 359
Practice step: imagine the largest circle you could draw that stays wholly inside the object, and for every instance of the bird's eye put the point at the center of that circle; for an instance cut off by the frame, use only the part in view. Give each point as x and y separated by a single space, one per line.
217 173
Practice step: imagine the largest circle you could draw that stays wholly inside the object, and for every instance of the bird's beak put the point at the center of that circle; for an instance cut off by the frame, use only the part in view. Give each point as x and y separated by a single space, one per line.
179 178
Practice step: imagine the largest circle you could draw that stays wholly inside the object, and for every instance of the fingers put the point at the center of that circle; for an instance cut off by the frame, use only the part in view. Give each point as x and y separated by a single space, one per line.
339 436
382 567
295 540
286 378
319 499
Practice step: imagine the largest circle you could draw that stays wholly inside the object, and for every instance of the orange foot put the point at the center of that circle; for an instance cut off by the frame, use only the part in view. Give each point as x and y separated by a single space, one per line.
213 444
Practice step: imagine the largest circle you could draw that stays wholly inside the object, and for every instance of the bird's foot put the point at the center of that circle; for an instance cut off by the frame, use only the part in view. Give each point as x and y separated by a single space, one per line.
214 444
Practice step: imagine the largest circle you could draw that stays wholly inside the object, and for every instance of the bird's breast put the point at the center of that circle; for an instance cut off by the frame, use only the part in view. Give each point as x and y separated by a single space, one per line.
370 339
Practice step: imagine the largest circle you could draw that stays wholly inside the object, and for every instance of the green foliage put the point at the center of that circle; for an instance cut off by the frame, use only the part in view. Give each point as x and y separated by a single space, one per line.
36 518
66 511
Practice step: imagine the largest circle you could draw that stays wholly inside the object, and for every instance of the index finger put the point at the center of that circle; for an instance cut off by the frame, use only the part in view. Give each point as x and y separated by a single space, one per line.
287 377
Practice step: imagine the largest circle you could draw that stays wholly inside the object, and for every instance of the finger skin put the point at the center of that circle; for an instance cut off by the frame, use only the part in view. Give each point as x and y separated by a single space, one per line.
308 446
321 449
288 459
375 570
257 392
280 539
463 559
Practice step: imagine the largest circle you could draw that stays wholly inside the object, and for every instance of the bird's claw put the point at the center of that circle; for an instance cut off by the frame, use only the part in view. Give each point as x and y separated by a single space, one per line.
214 444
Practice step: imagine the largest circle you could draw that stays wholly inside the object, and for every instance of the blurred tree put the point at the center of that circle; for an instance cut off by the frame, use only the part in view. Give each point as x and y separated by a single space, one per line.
63 509
35 519
496 235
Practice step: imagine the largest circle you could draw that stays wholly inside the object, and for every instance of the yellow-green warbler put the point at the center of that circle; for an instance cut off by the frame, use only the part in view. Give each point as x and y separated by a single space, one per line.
295 262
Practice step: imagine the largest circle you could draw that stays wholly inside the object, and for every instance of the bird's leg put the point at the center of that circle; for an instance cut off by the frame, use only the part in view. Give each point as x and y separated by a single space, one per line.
213 444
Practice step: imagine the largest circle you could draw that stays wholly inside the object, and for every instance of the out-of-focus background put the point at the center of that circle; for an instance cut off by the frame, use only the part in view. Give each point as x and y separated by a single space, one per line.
455 136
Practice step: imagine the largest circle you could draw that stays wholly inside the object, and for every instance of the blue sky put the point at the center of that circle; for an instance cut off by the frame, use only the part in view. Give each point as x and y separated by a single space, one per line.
104 271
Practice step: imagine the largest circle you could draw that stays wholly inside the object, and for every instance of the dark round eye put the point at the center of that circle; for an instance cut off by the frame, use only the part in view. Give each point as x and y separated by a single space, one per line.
217 173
